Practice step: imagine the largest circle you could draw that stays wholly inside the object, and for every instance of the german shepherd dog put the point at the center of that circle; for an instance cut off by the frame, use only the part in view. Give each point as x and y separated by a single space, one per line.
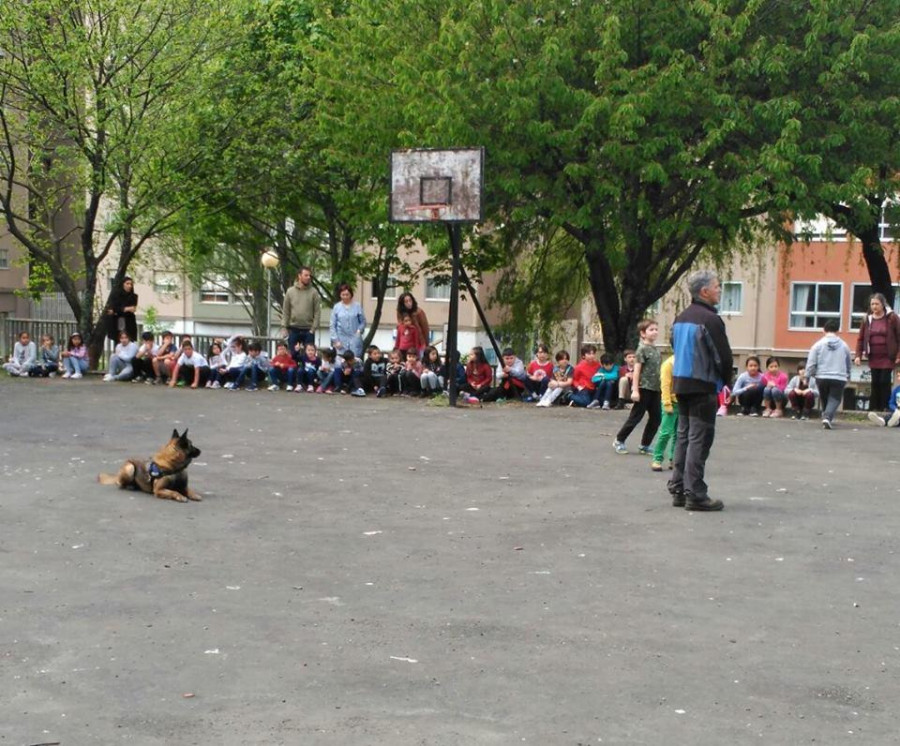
165 475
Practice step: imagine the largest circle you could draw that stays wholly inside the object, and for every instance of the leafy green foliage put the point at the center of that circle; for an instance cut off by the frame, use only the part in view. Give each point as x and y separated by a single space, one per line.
655 135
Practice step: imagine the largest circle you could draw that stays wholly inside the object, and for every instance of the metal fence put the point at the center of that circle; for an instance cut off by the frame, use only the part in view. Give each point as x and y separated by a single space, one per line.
36 328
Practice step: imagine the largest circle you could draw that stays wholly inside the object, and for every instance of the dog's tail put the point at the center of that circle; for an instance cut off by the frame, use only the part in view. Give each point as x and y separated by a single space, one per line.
108 479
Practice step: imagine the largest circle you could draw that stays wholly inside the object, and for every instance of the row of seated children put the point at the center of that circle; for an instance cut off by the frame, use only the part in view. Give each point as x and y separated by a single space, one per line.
767 394
28 359
591 383
236 364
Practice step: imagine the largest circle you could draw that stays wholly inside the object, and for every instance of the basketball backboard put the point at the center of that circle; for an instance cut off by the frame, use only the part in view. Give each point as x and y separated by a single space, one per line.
437 186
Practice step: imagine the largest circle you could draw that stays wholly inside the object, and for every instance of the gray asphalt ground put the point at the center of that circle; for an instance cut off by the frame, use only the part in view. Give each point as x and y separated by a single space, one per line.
393 572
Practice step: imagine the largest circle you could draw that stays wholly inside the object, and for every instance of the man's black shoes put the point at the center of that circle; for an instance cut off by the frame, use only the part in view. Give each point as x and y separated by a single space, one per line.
705 504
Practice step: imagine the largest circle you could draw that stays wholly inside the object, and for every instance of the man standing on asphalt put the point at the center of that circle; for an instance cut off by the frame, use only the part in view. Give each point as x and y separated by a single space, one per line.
300 312
703 363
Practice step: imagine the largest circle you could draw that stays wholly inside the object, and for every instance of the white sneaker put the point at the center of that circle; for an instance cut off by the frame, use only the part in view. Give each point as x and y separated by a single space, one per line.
310 389
229 385
67 375
77 374
51 375
894 419
288 388
273 387
216 385
876 418
358 392
108 377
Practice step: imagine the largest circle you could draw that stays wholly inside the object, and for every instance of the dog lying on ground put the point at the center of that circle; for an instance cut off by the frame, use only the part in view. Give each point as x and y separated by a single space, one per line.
165 475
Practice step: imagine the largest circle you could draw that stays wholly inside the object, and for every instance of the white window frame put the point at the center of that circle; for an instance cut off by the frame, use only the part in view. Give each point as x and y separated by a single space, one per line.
431 288
739 311
856 317
819 317
217 288
390 290
819 228
884 227
4 258
165 283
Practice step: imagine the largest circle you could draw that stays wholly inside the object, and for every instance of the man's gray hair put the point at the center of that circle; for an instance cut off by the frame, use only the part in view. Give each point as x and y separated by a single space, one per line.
700 279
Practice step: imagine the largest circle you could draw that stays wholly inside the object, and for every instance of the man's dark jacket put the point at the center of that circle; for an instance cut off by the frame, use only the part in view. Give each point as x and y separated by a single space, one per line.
703 359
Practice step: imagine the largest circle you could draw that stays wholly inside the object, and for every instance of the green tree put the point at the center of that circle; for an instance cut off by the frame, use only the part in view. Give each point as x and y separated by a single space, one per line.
844 84
638 128
93 97
276 184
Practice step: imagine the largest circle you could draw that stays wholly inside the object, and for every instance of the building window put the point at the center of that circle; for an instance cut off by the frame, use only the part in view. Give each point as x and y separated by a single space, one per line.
819 228
860 303
4 258
732 300
436 290
890 217
390 288
165 283
214 290
812 303
243 295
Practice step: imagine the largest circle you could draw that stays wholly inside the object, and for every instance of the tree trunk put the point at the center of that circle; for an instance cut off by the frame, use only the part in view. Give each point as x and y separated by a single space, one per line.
876 263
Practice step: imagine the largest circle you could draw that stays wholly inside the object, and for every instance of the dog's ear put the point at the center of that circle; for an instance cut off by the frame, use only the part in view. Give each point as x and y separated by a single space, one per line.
184 434
175 434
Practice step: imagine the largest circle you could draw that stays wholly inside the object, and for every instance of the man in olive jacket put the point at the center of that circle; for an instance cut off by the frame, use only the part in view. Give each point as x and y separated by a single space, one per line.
703 364
300 311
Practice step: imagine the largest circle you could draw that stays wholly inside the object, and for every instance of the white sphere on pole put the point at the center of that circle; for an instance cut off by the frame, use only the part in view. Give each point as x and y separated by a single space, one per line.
269 259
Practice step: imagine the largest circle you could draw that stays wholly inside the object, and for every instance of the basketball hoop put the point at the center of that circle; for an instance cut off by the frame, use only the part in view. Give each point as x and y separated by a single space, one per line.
437 186
427 213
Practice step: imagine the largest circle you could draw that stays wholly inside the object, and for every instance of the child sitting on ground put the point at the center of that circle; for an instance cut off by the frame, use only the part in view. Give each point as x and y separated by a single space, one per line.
165 358
256 367
23 357
143 360
606 382
237 359
561 382
374 371
582 379
75 357
432 378
47 363
326 372
191 368
773 392
217 365
282 369
626 377
348 374
120 367
748 389
307 373
539 372
392 371
410 385
891 418
801 392
479 375
511 378
645 391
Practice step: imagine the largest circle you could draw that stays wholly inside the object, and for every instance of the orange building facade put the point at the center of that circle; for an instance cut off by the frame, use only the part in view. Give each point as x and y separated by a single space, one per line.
818 281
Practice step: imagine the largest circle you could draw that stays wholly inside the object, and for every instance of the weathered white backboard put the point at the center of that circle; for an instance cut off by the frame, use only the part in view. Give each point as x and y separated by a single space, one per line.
437 186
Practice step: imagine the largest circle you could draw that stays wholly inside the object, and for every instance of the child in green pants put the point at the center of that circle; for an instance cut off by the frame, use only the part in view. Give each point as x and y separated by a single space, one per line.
668 429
